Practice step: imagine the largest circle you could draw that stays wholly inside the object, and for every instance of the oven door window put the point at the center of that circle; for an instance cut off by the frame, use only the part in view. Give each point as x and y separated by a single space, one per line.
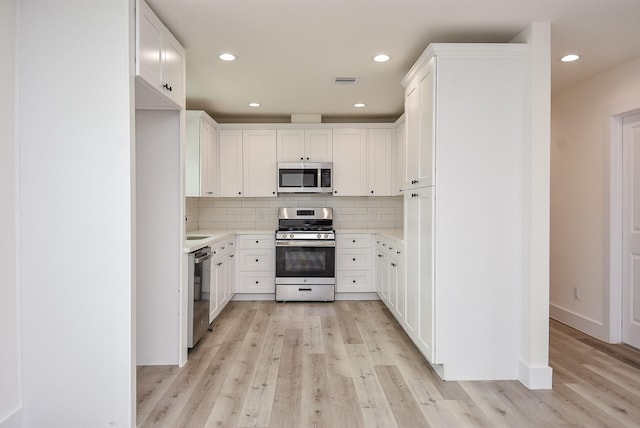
298 178
292 262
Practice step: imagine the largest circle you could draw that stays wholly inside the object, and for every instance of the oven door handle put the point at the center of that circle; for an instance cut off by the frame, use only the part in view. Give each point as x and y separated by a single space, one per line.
294 243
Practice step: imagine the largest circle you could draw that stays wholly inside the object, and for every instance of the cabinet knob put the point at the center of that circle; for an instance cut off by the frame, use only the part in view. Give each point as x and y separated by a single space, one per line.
257 260
372 191
354 259
301 158
307 158
257 282
353 241
335 191
239 193
354 281
273 193
257 242
219 264
393 264
379 255
210 193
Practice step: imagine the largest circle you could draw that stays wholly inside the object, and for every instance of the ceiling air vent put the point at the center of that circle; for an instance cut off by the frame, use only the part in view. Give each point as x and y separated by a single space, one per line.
345 80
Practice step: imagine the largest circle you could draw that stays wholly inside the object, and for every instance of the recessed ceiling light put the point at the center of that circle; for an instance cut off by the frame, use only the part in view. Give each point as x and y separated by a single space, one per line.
381 58
359 105
254 104
570 57
227 56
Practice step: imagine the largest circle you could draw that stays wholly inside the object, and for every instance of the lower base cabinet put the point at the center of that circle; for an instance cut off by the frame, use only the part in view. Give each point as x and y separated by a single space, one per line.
389 271
354 267
222 285
256 264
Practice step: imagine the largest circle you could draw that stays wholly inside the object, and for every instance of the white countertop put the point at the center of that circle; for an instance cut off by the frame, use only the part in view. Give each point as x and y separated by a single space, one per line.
214 235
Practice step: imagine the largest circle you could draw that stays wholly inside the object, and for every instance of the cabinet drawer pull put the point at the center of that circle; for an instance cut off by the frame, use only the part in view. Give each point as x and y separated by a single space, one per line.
379 255
393 264
219 264
304 289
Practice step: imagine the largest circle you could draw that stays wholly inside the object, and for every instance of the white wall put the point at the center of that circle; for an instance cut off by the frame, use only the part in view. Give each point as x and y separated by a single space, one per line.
75 171
534 351
581 135
10 402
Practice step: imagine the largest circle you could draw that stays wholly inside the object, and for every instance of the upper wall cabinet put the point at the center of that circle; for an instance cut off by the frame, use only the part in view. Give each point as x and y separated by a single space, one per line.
350 162
379 162
305 145
418 107
201 155
160 63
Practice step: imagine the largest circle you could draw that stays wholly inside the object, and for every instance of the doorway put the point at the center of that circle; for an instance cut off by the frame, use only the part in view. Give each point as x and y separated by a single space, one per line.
630 327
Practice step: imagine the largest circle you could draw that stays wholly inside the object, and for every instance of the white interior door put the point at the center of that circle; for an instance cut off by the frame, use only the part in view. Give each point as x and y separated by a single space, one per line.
631 231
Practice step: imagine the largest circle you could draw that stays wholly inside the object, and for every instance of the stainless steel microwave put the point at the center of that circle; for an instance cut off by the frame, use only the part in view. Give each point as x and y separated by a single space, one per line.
305 177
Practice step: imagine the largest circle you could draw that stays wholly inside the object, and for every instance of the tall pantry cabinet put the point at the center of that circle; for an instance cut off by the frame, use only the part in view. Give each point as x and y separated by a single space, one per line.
464 110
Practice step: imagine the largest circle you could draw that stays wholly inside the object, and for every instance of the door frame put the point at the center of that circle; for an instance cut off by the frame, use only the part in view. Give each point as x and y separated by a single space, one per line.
613 282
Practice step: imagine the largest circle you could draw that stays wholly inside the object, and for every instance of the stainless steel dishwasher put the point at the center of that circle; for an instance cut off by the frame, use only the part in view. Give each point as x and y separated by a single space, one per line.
199 293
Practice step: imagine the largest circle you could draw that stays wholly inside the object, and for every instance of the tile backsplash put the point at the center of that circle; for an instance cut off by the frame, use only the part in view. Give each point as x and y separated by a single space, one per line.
262 213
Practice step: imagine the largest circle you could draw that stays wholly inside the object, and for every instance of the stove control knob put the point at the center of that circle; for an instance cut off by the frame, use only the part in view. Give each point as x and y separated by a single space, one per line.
319 236
326 236
291 236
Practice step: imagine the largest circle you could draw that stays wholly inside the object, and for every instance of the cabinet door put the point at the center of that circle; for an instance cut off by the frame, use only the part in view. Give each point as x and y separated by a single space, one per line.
149 55
213 293
208 160
291 145
231 277
379 261
412 246
192 155
350 162
173 68
412 112
380 158
230 163
425 164
318 145
399 160
426 340
259 163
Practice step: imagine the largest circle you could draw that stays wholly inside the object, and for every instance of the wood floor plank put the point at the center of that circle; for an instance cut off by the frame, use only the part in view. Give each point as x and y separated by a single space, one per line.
287 403
347 324
401 401
375 407
313 339
316 410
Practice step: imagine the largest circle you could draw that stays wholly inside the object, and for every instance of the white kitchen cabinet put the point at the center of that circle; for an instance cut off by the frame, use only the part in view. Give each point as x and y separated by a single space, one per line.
379 162
399 158
255 264
350 162
160 59
222 275
201 155
354 264
230 163
305 145
463 208
389 273
260 174
420 304
419 118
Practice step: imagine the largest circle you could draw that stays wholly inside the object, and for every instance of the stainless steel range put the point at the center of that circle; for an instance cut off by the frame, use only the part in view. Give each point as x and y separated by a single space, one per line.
305 255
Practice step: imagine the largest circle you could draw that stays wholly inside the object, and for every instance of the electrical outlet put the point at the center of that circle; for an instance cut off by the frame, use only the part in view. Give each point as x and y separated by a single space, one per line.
576 293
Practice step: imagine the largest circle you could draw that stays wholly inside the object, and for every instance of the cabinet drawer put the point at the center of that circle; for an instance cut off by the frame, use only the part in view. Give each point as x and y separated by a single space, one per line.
246 242
354 240
354 282
256 282
256 260
354 259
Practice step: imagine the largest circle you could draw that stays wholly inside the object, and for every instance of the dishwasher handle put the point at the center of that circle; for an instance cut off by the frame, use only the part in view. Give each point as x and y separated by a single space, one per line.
203 256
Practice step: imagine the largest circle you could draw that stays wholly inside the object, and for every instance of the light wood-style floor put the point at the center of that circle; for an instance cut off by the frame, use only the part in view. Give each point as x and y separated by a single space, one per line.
349 364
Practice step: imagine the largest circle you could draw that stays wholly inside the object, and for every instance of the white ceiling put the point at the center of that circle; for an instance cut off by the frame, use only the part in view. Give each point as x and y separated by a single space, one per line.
290 51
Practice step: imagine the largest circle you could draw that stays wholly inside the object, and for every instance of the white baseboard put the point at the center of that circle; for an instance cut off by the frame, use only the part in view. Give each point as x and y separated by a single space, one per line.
254 296
535 377
589 326
12 420
357 296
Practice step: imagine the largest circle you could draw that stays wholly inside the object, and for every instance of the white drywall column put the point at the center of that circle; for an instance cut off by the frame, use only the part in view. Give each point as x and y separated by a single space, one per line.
534 370
75 110
10 402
